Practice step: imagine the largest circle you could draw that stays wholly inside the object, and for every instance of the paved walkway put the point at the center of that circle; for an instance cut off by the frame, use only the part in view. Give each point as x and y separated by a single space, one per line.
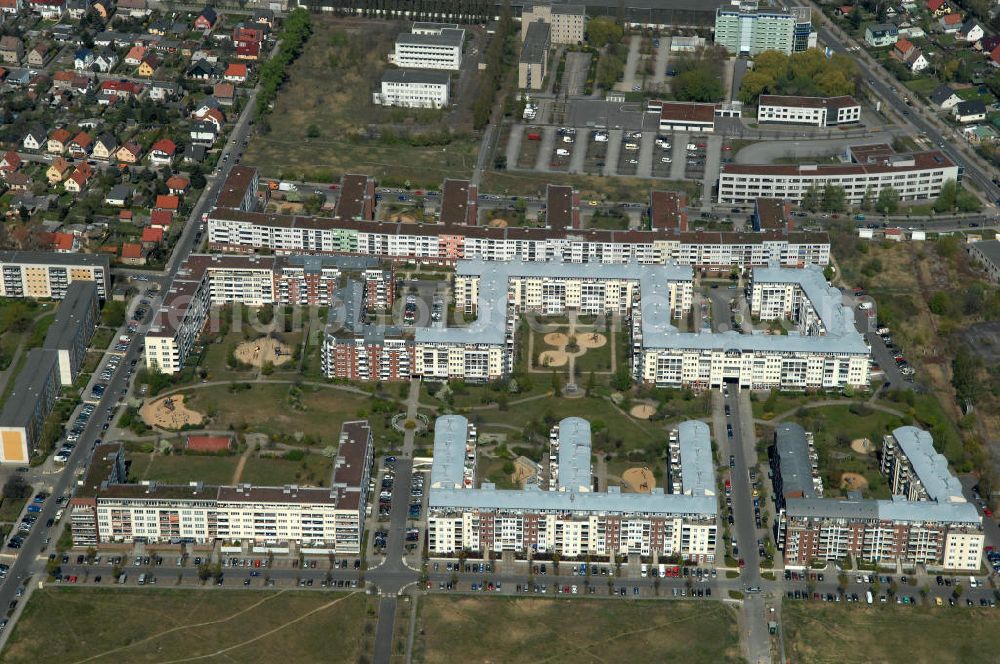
829 402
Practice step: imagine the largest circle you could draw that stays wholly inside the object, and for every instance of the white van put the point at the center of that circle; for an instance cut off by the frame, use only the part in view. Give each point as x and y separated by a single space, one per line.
868 597
142 579
972 582
562 153
631 146
644 570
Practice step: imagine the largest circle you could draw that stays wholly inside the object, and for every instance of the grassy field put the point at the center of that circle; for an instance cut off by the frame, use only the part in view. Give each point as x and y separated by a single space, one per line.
816 632
324 122
181 468
313 470
590 186
112 625
539 630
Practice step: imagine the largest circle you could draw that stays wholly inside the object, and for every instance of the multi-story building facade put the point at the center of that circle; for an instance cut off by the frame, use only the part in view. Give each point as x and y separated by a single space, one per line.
927 522
355 349
913 176
72 328
414 88
570 519
430 46
747 30
22 419
107 510
813 111
531 66
567 22
45 274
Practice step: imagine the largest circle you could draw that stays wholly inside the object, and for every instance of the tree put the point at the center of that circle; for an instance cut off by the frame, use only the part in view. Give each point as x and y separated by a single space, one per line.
15 488
868 200
964 376
755 83
602 31
811 199
888 201
698 84
834 198
947 197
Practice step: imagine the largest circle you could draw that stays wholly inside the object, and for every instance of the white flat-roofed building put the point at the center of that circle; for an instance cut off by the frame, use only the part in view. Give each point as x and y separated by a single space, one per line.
814 111
568 22
749 30
571 519
913 176
430 46
47 274
414 88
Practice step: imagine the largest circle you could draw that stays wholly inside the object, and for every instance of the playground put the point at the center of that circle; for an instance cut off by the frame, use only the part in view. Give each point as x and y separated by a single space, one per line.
264 349
170 413
639 480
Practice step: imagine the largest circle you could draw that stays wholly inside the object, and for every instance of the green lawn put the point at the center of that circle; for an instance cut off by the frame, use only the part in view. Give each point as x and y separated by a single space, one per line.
313 470
835 633
589 186
766 407
105 625
499 629
183 468
923 86
10 509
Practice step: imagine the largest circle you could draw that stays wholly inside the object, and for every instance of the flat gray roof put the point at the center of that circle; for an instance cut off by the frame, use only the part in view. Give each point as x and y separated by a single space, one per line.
930 467
447 37
793 457
451 433
536 43
422 76
29 385
574 454
990 250
55 258
697 468
80 299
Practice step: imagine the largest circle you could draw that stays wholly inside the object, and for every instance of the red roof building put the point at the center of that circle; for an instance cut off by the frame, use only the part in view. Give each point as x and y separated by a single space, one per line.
161 219
178 184
63 242
152 235
209 444
167 202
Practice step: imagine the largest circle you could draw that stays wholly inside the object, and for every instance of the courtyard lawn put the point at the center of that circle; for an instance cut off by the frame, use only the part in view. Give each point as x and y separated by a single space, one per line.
183 468
312 470
499 629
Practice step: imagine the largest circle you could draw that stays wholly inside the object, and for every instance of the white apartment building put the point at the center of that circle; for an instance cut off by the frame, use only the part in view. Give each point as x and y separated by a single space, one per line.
570 518
814 111
568 22
914 176
321 520
414 88
430 46
47 274
745 29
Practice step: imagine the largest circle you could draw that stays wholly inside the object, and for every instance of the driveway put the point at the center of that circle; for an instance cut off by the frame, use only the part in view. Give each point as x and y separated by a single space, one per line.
631 65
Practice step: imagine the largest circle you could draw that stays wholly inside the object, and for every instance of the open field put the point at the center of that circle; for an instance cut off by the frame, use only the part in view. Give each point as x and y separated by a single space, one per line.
313 470
589 186
117 625
183 468
324 122
496 629
817 632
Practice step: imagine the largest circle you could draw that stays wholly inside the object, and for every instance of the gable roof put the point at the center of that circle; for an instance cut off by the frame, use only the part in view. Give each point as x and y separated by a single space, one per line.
167 202
973 107
952 19
152 235
942 94
164 145
161 218
131 250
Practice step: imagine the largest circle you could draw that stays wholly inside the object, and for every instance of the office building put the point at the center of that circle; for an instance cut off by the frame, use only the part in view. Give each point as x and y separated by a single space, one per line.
319 520
926 522
430 46
567 22
47 274
414 88
72 328
746 30
531 67
571 518
812 111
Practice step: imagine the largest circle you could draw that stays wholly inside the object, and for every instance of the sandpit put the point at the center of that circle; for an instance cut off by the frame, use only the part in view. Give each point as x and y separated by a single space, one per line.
497 223
170 413
642 411
556 339
853 482
553 358
265 349
862 446
591 340
639 480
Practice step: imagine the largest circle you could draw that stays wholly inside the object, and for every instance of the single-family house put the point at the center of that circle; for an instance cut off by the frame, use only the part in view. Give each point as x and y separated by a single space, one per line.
17 181
843 11
64 243
161 219
135 55
214 116
263 17
951 23
134 8
204 132
938 7
11 49
944 98
907 52
149 65
159 27
248 52
58 170
167 202
162 152
178 185
57 140
969 111
119 89
206 20
878 35
151 237
119 195
202 70
106 60
236 72
971 31
195 154
10 6
225 93
243 34
77 182
10 162
81 145
130 153
994 56
163 90
105 147
38 54
34 139
988 43
48 9
133 254
83 59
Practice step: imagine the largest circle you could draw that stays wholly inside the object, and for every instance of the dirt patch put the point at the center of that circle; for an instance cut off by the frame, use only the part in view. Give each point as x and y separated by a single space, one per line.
265 349
639 480
403 218
556 339
497 223
170 413
853 482
553 358
862 446
591 340
642 411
